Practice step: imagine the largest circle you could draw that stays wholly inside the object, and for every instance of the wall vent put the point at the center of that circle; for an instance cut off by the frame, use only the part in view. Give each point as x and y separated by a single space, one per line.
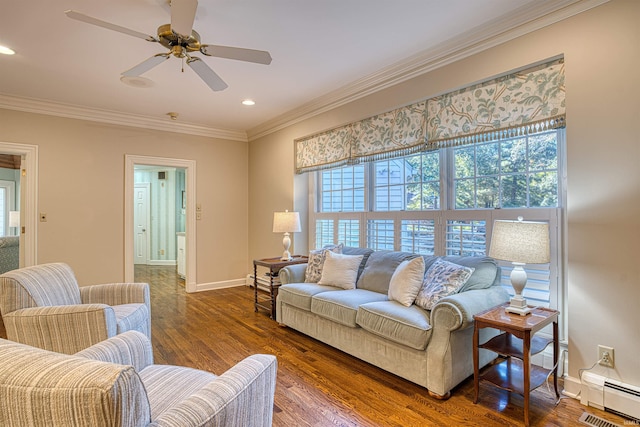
593 421
611 395
162 175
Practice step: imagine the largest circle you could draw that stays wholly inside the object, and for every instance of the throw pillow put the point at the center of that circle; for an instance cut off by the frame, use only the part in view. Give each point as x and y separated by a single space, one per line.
316 261
442 279
407 281
340 270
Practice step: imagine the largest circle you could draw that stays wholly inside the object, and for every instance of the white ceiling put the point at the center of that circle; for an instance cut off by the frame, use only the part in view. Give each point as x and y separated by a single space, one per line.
319 49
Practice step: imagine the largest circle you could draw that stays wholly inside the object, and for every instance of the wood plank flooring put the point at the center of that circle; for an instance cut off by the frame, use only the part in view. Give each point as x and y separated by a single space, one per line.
318 385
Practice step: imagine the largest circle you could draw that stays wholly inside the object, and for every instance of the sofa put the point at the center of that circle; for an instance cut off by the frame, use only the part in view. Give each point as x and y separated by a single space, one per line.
430 345
115 383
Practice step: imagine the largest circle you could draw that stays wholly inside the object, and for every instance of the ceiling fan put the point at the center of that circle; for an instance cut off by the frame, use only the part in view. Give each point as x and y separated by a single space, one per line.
181 40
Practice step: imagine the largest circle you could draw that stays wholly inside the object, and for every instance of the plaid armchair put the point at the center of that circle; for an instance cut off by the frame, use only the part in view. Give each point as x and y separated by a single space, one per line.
115 383
44 307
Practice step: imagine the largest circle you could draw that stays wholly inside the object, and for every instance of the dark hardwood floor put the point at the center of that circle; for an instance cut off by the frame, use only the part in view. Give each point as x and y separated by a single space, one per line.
318 385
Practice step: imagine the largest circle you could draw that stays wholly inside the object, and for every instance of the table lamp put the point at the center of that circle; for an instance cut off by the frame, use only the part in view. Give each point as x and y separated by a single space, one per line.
286 222
521 242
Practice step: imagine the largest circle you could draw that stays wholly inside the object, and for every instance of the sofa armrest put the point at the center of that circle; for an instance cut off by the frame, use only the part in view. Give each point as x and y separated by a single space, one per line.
128 348
456 311
63 328
293 273
242 396
116 294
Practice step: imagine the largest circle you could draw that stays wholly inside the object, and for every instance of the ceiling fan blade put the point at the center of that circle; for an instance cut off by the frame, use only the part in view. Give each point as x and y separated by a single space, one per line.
145 66
206 74
237 53
94 21
183 13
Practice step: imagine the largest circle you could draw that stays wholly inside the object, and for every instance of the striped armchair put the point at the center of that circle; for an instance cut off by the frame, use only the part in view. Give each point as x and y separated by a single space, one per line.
115 383
44 307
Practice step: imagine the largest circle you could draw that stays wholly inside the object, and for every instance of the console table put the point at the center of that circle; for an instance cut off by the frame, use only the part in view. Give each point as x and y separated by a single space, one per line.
517 344
274 265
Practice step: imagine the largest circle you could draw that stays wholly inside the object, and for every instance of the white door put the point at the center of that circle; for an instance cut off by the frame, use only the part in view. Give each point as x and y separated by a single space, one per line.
141 223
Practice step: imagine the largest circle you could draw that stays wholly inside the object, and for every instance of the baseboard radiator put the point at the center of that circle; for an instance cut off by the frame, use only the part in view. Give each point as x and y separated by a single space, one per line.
610 395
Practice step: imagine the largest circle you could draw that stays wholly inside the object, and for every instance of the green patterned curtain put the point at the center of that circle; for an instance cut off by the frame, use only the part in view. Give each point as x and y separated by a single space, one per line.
521 103
518 104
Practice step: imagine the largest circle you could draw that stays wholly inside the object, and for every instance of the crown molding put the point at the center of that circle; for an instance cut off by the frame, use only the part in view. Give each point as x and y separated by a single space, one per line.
38 106
525 20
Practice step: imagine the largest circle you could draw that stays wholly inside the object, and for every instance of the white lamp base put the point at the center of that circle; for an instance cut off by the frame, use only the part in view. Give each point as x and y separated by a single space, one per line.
518 303
518 306
286 243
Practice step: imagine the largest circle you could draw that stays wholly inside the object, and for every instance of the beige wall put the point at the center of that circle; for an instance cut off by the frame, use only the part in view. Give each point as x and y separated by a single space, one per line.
600 47
81 189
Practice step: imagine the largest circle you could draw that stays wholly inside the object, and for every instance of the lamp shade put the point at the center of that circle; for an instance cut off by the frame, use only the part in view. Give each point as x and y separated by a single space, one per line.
14 218
520 241
286 222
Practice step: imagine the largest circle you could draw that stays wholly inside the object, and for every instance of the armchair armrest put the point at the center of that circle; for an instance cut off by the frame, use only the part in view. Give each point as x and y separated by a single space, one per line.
242 396
456 311
293 273
115 294
128 348
63 328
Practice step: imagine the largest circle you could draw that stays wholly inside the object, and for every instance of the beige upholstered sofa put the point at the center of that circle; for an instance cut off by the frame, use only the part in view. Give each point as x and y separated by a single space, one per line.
44 307
115 383
432 348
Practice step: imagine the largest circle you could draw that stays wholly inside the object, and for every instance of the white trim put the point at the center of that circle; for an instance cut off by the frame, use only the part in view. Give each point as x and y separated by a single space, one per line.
41 106
220 285
190 232
29 201
168 262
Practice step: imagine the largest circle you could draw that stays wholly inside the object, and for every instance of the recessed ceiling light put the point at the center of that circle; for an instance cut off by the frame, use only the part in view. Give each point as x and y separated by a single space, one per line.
6 51
141 82
248 102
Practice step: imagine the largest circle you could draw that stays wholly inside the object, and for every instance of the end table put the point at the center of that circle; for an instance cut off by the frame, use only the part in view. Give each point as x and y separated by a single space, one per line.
517 343
274 265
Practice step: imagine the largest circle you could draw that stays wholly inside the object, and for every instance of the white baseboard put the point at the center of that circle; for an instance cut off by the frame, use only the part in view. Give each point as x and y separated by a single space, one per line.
162 262
220 285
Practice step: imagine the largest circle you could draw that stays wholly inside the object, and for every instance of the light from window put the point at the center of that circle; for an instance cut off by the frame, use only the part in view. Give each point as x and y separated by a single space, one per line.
466 238
408 183
342 189
417 236
380 234
349 232
324 232
513 173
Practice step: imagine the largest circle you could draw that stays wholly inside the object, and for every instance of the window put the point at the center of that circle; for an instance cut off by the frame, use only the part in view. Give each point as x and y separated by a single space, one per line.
513 173
445 202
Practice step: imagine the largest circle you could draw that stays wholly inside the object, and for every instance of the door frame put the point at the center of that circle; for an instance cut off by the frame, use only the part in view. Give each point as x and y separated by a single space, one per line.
190 225
28 199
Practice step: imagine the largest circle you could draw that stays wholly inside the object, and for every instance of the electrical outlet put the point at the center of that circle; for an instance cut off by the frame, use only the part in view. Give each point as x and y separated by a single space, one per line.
606 356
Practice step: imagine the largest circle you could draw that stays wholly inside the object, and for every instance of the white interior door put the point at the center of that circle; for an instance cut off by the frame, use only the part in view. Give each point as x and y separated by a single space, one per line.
141 223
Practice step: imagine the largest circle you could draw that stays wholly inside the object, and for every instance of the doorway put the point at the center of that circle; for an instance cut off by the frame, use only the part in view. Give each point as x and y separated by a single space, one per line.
159 204
27 207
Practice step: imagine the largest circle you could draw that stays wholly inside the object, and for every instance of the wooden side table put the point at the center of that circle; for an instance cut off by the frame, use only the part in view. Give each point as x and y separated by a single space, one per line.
274 265
517 344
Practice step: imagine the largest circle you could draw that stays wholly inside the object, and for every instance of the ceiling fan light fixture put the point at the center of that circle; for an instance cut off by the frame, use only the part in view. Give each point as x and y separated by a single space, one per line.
248 102
6 51
137 81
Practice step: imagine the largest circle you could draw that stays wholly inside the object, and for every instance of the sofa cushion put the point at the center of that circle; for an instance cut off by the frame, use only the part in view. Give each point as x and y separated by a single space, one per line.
379 269
365 252
340 270
391 320
316 261
406 281
342 306
299 294
132 317
486 272
442 279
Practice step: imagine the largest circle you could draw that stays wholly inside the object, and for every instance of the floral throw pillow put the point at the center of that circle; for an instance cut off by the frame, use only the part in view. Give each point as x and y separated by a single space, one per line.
316 262
442 279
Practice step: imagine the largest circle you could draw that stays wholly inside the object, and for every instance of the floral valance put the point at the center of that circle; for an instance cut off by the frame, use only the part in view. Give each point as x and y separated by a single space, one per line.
521 103
392 134
518 104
